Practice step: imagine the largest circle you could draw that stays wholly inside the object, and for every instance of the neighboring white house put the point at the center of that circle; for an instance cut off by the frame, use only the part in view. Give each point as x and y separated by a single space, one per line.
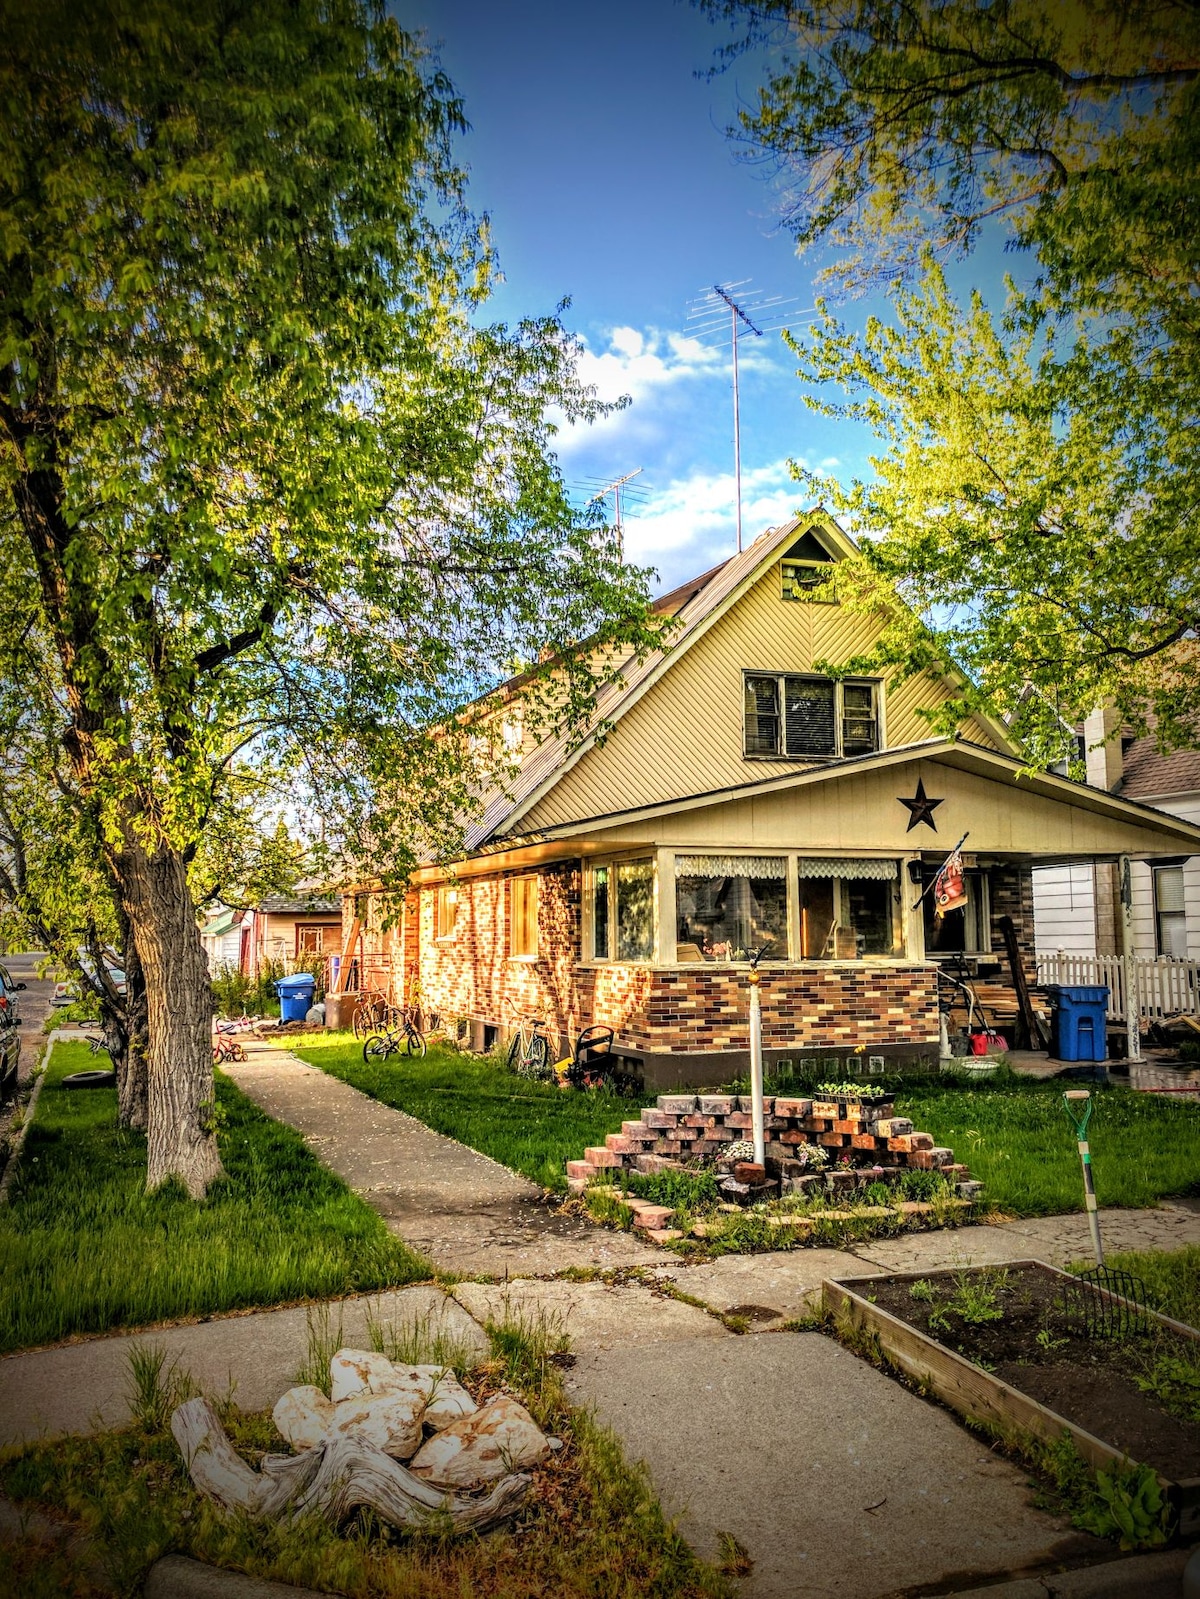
1075 908
221 936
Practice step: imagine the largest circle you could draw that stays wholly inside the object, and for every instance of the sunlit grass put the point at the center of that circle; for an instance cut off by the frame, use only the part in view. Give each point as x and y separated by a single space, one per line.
84 1248
533 1128
1015 1136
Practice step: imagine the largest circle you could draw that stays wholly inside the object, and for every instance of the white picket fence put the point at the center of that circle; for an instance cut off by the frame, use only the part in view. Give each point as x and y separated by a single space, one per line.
1163 987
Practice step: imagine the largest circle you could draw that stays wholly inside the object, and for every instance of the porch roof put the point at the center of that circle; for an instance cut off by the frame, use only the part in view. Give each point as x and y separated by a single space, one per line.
1007 808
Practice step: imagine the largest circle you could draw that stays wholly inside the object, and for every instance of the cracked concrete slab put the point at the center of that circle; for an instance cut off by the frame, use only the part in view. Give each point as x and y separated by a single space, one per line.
834 1478
766 1289
593 1315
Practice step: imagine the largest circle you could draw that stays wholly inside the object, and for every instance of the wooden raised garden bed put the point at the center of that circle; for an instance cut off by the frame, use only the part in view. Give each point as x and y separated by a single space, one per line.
1083 1383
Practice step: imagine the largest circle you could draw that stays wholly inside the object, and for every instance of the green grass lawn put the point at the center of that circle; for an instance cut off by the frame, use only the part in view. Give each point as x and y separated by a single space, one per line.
534 1128
83 1247
1014 1134
1012 1131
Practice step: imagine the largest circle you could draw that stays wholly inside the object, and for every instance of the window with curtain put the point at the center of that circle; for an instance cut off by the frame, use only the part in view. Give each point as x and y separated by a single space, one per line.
794 716
727 906
523 916
1170 913
849 908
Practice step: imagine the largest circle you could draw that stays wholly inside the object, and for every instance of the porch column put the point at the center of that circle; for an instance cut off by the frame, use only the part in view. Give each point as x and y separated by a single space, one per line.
664 908
912 919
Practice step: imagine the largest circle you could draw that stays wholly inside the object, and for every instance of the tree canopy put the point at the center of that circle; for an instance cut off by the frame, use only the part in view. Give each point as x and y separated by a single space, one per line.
1040 471
277 500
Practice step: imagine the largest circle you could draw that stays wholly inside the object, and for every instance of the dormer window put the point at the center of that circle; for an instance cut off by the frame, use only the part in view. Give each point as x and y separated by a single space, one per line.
790 717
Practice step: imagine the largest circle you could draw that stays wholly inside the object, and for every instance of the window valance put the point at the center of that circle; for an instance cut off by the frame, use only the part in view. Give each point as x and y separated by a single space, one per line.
731 866
877 870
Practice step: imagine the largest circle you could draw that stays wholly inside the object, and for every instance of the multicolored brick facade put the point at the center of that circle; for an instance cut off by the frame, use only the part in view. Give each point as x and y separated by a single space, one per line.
688 1010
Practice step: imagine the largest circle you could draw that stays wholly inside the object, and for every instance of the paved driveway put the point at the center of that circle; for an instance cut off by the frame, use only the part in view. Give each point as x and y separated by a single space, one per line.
34 1004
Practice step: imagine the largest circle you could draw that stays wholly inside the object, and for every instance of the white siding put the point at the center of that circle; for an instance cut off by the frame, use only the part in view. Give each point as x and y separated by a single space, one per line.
1064 909
1187 806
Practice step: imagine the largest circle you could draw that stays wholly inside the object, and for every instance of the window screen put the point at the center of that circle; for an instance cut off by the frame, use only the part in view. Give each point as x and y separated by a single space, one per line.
810 716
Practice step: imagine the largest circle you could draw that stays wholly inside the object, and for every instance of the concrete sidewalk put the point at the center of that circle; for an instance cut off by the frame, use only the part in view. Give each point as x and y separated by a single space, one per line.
832 1477
469 1214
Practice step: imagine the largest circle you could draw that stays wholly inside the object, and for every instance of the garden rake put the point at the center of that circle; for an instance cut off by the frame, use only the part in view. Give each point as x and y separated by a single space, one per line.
1107 1303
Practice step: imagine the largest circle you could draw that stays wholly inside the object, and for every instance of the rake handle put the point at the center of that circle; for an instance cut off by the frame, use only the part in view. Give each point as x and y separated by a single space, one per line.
1085 1160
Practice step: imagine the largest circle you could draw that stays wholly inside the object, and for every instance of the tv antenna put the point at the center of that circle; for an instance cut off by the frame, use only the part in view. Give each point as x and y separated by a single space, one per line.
614 488
708 312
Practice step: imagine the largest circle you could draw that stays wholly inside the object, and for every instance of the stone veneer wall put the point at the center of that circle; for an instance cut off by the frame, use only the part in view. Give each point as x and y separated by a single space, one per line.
694 1008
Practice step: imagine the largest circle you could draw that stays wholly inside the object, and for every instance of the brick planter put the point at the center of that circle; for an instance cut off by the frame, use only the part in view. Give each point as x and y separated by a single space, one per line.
687 1126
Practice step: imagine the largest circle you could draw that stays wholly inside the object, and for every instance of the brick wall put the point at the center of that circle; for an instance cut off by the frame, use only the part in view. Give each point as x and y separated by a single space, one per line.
1012 895
691 1009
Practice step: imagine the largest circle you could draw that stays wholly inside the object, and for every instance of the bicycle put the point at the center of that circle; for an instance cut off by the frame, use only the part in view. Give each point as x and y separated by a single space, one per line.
225 1043
372 1013
529 1051
401 1034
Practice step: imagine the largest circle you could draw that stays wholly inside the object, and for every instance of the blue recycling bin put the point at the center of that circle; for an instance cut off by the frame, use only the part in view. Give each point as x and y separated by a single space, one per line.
295 996
1078 1018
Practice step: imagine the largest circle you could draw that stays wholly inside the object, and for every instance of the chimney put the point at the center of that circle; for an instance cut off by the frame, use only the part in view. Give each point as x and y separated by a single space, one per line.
1102 737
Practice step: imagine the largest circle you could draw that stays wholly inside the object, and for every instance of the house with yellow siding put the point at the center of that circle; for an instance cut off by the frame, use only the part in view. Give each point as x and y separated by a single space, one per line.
731 798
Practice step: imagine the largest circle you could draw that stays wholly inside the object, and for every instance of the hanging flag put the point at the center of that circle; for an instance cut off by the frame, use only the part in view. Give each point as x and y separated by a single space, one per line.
949 886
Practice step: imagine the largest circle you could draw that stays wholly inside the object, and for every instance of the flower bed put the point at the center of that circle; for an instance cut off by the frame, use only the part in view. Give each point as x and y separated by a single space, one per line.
1003 1344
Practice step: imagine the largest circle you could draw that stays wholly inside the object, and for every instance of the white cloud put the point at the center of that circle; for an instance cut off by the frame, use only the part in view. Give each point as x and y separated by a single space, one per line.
643 364
637 362
690 525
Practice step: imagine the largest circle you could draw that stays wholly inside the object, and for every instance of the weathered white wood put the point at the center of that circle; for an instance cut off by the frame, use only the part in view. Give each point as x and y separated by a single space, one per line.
334 1478
354 1473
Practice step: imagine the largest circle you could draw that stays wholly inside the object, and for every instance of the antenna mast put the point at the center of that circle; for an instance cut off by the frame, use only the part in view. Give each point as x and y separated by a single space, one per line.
614 488
737 315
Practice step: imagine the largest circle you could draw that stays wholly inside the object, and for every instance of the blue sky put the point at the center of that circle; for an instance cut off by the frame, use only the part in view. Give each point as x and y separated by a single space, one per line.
602 160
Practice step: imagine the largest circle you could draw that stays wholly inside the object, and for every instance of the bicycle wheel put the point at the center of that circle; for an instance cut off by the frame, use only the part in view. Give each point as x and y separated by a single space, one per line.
378 1047
362 1023
535 1062
414 1042
515 1053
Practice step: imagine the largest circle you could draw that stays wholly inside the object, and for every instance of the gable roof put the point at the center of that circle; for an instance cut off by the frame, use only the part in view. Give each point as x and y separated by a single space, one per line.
696 606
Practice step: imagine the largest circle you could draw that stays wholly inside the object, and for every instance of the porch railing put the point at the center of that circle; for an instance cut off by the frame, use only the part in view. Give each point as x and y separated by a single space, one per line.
1162 986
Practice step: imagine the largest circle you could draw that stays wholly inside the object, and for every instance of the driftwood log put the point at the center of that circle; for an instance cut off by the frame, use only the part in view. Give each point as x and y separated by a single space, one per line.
334 1478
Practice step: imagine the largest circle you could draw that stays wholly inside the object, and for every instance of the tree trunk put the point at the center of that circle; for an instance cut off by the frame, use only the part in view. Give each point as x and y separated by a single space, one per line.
127 1041
180 1125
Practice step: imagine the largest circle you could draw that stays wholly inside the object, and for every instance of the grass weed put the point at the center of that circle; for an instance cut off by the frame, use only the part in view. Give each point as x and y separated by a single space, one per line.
84 1248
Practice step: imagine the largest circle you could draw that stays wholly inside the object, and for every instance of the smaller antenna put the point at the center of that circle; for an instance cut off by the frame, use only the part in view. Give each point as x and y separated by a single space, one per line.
738 316
614 488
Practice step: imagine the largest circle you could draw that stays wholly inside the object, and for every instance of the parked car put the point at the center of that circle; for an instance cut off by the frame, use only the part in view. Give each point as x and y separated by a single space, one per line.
10 1057
8 995
67 991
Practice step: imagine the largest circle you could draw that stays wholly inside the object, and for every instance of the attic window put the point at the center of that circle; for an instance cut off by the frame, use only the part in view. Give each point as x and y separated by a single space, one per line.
809 572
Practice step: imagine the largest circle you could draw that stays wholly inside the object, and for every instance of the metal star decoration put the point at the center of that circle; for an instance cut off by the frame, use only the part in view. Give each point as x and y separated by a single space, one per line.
921 808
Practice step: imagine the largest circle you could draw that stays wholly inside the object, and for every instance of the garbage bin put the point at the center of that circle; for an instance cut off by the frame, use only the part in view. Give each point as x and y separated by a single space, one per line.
295 996
1078 1020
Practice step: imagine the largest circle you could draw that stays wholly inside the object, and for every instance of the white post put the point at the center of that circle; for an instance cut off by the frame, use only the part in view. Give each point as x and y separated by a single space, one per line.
1133 1019
756 1072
